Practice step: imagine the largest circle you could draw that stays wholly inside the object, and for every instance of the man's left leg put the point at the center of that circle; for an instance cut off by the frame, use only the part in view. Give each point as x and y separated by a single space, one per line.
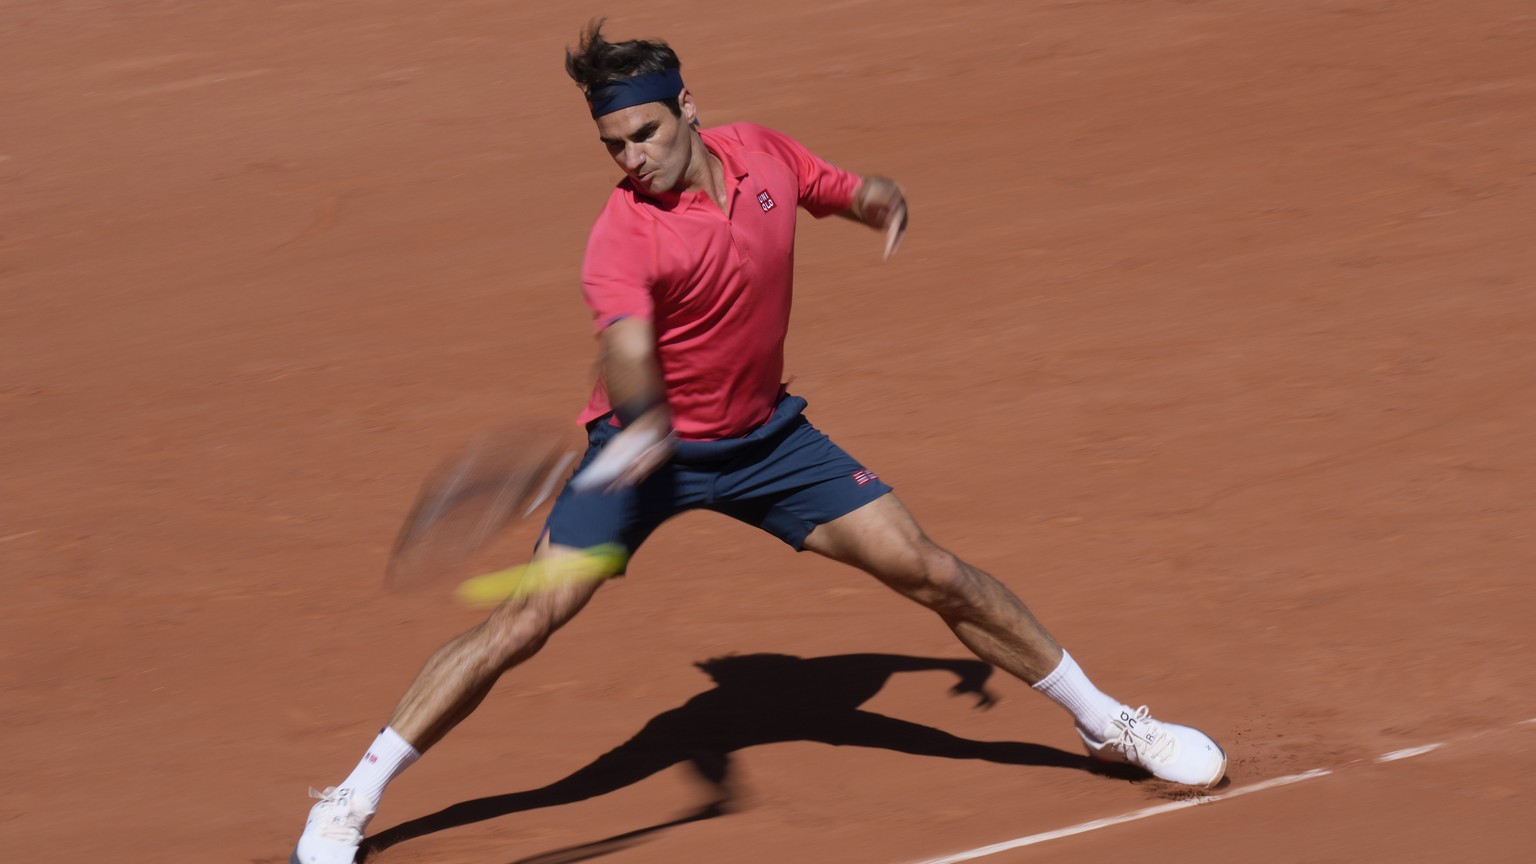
884 540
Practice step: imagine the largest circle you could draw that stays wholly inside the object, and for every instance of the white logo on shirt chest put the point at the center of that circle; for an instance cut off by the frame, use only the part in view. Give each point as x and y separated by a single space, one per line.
765 200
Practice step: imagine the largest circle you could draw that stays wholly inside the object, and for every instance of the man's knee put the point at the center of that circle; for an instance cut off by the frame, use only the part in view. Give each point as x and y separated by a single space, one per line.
942 582
517 630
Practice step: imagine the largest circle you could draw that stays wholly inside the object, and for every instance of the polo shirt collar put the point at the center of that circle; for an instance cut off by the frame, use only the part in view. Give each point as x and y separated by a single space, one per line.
728 152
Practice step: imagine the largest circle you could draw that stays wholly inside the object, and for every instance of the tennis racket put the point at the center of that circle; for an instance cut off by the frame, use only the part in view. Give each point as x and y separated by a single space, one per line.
502 476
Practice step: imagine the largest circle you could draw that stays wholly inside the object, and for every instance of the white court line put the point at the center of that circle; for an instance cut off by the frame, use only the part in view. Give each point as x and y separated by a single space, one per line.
1126 817
1408 753
1085 827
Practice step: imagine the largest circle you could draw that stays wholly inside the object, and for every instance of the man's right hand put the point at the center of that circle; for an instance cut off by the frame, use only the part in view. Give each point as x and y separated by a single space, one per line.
630 456
633 382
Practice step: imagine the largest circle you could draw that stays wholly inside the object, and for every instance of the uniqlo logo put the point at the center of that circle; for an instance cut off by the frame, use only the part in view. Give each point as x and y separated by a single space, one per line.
765 200
864 476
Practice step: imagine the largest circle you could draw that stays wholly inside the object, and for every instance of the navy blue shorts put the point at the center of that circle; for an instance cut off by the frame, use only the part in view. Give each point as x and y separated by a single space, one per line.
785 477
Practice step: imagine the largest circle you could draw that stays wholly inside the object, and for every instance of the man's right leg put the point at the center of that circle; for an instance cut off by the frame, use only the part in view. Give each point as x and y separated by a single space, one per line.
459 674
449 687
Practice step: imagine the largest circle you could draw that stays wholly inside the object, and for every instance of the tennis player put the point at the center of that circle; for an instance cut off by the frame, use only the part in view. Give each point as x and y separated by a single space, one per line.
688 273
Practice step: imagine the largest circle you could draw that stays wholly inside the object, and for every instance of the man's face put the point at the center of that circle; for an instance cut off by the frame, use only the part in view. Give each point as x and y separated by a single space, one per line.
650 145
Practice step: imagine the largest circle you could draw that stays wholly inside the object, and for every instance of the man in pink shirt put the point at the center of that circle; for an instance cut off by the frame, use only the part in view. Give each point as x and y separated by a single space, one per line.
688 273
711 271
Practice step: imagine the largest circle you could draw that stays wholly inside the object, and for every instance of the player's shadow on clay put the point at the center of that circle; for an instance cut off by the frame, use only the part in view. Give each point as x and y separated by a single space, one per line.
758 699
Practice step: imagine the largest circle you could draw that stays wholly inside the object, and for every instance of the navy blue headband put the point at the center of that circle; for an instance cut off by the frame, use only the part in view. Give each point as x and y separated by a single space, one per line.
637 90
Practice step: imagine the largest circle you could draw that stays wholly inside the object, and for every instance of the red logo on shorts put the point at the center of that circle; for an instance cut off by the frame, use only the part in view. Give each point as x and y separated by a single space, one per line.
863 476
765 200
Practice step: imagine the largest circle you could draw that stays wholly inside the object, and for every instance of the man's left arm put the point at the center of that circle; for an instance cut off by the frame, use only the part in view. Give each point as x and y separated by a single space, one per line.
875 201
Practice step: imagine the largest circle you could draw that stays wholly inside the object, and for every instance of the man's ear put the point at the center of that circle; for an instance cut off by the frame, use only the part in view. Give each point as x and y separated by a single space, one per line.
689 108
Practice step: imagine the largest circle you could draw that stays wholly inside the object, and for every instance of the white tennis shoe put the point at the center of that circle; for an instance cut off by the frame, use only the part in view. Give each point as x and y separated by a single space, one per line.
1178 754
334 829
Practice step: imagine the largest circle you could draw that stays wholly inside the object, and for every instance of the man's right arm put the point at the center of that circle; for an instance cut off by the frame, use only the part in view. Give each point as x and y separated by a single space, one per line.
630 370
635 390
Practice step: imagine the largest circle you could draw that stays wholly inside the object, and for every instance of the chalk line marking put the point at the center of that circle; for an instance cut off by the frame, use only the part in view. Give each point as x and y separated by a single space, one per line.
1408 753
1158 810
1133 816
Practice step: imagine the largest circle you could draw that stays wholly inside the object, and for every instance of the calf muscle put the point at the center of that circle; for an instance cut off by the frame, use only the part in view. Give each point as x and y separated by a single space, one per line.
459 675
885 541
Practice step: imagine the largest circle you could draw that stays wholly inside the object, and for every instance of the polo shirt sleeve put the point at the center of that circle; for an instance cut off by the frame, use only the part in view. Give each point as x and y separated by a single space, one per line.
825 189
619 267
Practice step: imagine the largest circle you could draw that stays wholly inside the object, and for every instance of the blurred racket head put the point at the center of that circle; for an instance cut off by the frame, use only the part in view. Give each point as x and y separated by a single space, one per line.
500 477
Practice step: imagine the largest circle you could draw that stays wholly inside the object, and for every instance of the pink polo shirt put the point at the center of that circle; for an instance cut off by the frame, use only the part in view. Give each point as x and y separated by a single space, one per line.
716 286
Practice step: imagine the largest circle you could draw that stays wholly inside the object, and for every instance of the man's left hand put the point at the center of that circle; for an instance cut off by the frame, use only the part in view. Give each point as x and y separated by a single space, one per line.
879 203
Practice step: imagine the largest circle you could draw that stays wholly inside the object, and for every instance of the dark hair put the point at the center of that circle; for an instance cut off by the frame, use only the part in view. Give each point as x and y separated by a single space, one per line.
596 61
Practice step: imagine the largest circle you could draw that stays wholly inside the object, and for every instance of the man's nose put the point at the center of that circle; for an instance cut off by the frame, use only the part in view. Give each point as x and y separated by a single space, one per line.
632 158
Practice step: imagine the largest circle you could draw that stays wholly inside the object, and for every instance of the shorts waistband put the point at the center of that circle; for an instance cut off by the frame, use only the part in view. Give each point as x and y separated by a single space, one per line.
786 414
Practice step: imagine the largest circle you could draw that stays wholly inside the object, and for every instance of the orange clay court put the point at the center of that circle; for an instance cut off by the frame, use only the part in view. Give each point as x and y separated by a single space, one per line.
1212 337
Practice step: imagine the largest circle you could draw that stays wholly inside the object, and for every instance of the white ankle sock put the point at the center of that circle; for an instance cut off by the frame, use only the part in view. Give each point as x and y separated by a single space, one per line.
386 758
1068 687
